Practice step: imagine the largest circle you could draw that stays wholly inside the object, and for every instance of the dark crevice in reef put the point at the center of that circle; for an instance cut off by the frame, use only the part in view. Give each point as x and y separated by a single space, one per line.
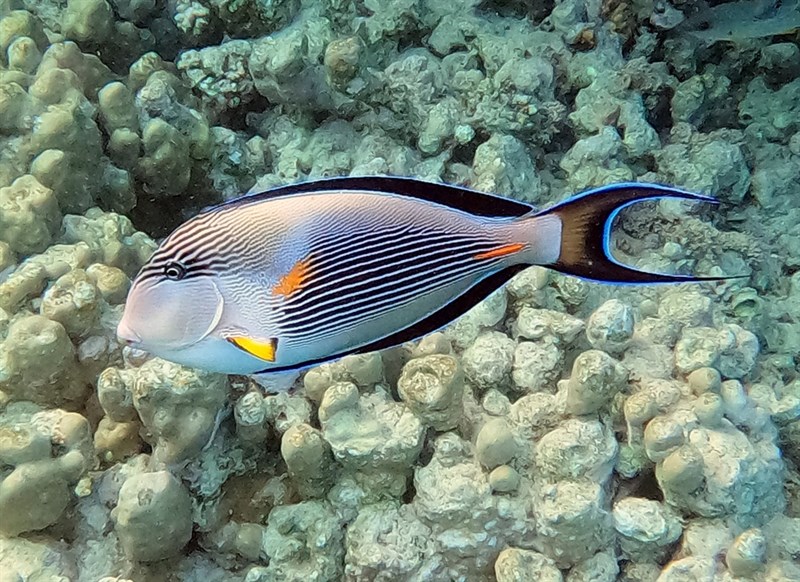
644 486
410 492
236 118
426 454
158 215
534 11
464 154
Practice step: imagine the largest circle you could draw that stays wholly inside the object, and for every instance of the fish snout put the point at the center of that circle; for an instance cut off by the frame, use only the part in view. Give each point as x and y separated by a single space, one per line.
126 335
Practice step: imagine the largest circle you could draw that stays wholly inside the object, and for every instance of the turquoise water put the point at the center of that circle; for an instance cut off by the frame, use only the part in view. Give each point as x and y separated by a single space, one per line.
560 430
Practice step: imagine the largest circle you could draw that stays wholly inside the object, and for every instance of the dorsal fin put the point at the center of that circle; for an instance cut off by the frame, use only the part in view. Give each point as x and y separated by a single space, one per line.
458 197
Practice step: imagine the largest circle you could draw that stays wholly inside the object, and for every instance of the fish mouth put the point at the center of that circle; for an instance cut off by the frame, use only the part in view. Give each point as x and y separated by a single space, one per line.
126 335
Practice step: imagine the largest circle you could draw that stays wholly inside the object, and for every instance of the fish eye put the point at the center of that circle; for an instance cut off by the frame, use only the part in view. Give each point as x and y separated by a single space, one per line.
174 271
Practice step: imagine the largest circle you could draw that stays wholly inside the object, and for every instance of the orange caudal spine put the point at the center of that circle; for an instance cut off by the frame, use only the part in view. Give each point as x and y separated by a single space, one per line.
502 251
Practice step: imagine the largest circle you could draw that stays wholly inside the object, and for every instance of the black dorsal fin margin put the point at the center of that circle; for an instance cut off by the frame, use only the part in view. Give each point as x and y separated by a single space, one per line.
458 197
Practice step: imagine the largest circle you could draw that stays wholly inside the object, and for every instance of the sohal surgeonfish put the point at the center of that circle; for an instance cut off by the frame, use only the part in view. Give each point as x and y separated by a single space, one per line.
307 273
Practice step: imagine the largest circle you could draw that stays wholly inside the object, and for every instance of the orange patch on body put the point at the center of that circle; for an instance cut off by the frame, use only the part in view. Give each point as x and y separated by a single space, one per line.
294 280
500 251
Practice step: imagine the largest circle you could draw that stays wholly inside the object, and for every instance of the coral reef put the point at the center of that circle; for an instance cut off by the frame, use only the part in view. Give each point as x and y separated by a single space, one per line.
560 430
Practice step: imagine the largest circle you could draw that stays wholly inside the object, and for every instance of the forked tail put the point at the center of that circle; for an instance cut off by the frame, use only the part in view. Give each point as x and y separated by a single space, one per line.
586 222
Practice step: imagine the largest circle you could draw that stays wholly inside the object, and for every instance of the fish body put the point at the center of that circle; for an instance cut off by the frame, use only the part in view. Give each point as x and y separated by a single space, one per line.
286 279
744 20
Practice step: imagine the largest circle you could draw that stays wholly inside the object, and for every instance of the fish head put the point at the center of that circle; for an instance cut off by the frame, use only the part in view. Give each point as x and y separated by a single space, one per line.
171 308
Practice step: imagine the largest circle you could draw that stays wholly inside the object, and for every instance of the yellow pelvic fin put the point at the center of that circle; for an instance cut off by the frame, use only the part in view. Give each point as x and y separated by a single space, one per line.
500 251
294 280
260 348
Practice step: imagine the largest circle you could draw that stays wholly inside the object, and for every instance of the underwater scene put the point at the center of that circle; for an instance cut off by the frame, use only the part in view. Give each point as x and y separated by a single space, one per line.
399 290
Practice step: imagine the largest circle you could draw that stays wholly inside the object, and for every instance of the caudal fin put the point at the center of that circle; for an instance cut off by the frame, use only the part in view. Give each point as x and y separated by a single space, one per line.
586 232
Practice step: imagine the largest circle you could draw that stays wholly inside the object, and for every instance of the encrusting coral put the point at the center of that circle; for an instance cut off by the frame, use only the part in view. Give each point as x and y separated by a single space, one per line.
560 430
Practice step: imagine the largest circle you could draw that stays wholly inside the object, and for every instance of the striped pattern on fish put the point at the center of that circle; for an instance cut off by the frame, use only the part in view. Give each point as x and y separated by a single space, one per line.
307 273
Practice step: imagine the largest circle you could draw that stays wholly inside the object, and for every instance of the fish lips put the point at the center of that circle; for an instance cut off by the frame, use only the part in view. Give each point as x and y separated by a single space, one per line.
126 335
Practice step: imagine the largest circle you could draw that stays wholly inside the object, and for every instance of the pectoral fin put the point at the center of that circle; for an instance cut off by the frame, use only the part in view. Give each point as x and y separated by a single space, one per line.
273 383
262 348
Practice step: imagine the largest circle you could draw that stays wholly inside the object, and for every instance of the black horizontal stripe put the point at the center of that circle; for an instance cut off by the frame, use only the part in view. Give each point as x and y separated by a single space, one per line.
329 260
368 282
219 244
191 228
334 241
438 319
192 238
328 263
209 258
194 273
348 311
360 275
356 313
341 306
208 267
